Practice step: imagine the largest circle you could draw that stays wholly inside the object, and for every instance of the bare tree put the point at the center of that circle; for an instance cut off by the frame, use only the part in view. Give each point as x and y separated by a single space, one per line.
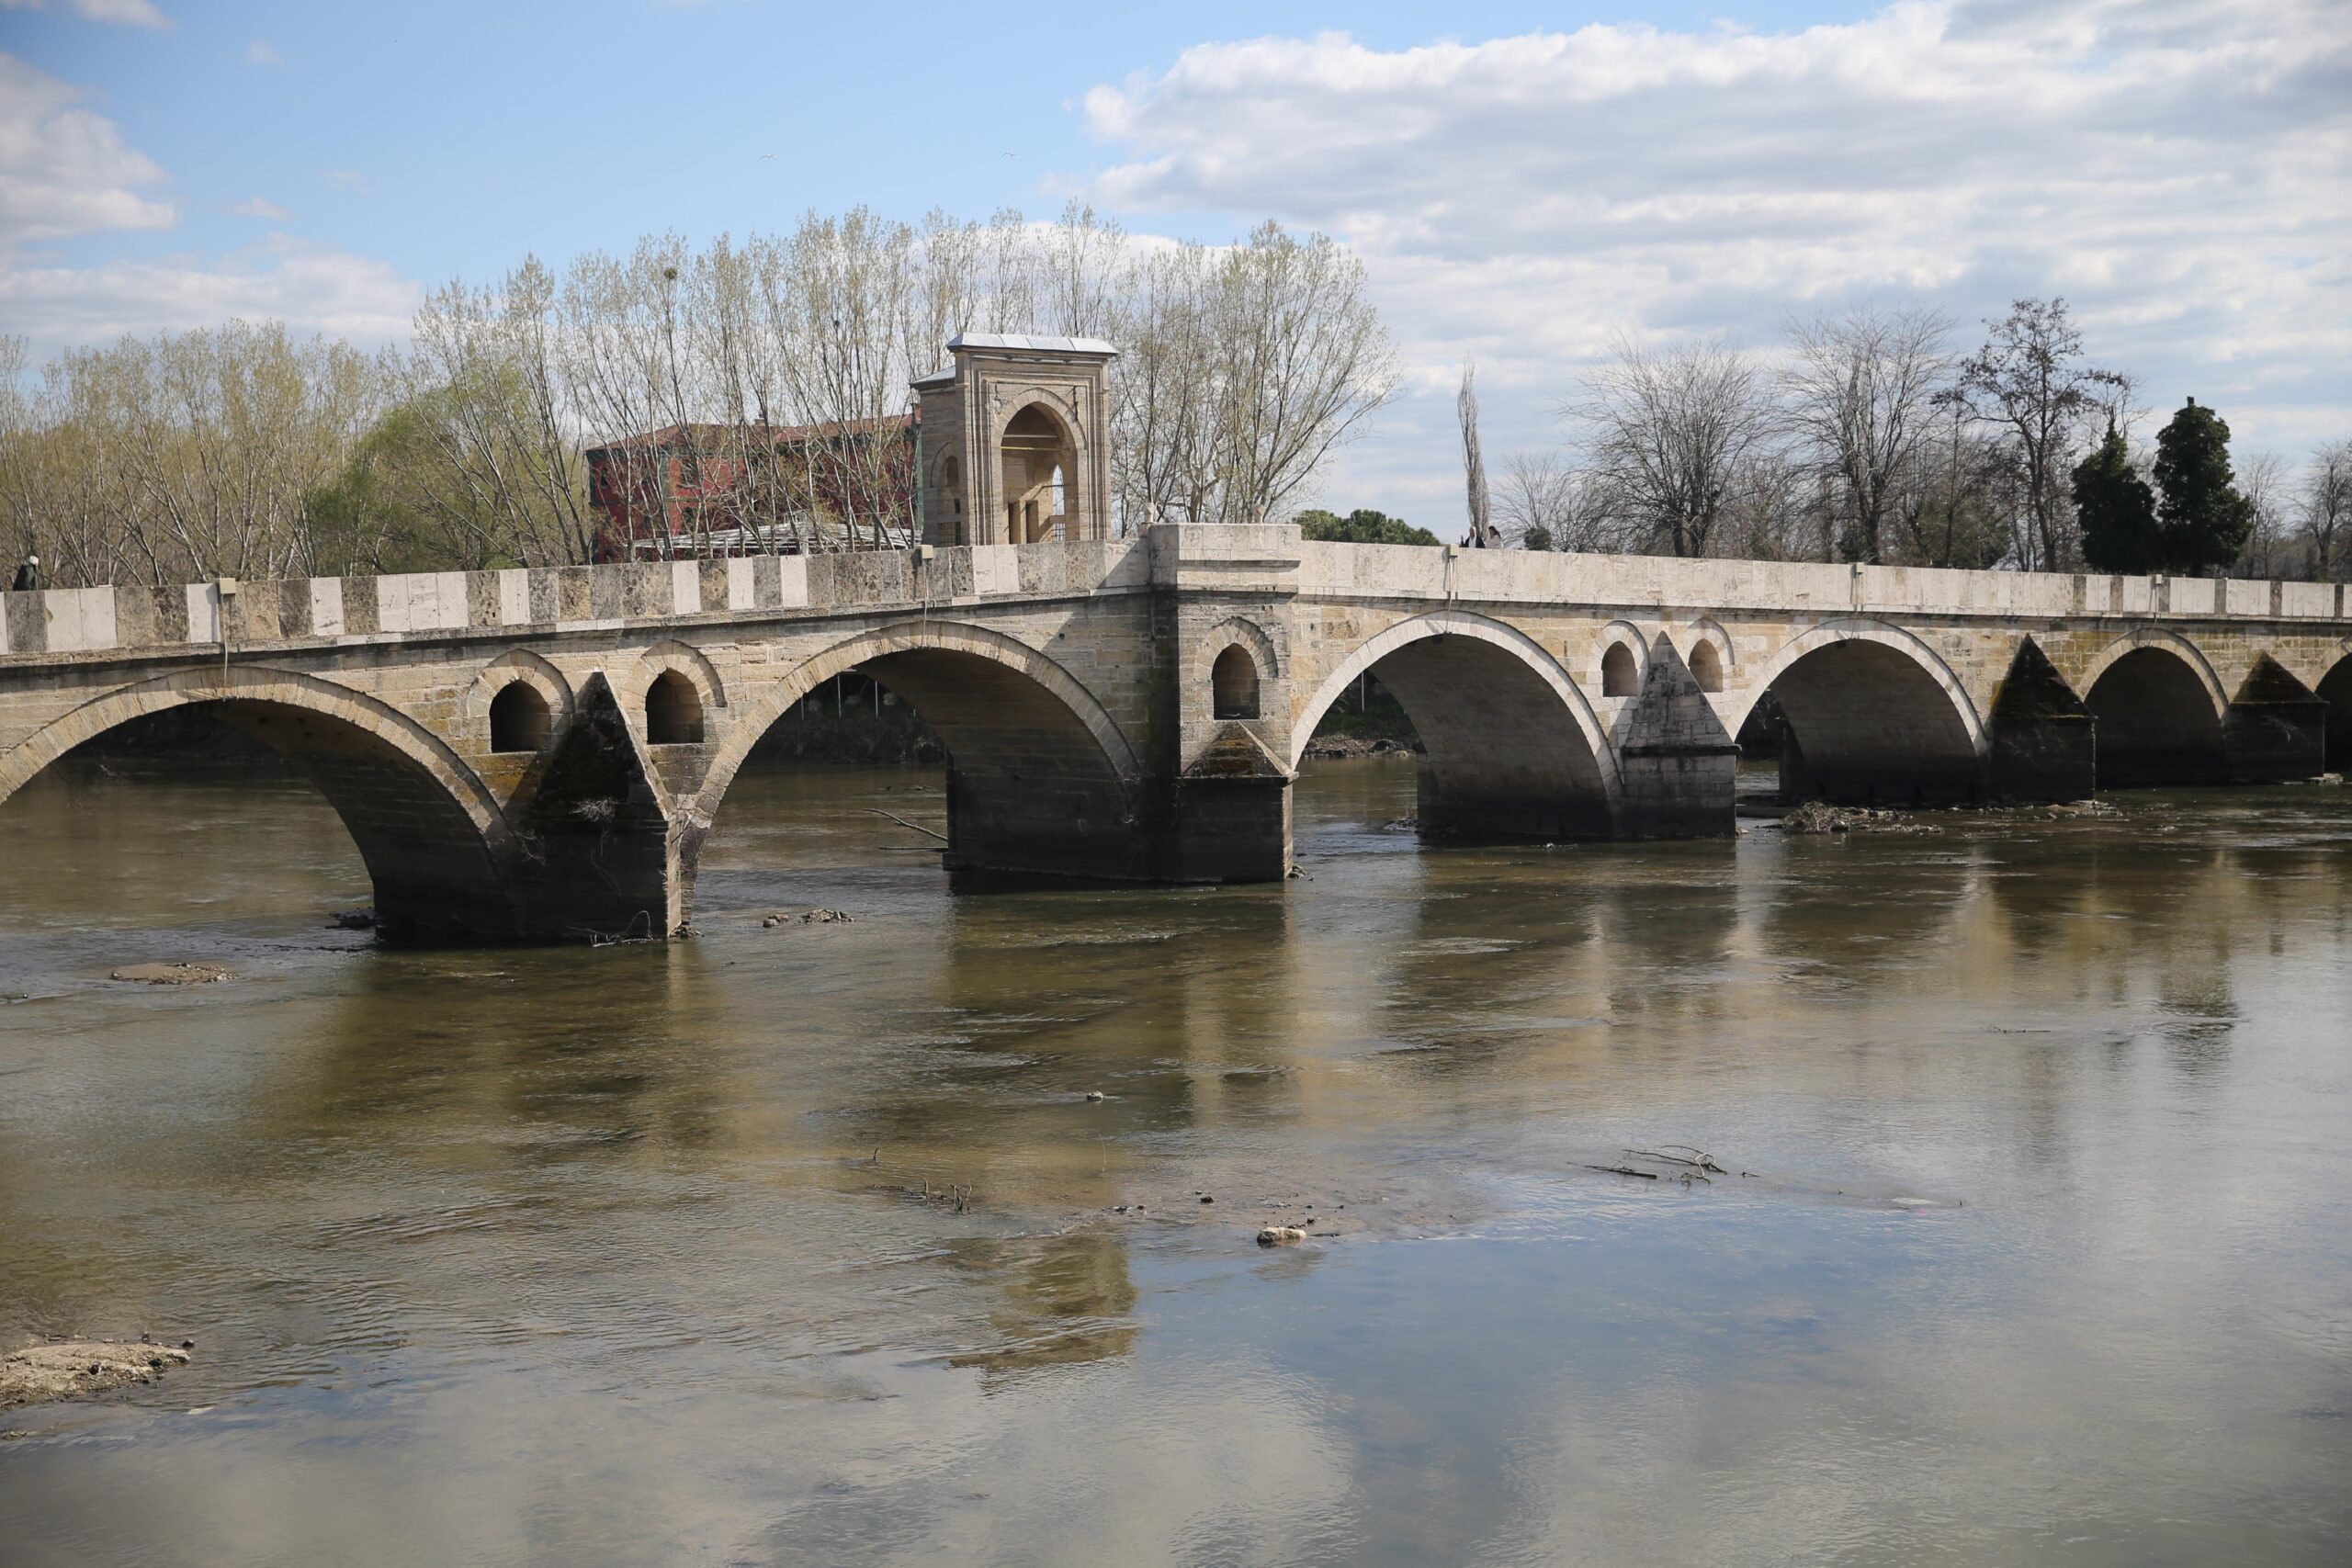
1545 504
2263 479
1305 362
1858 394
1666 431
2327 504
2028 381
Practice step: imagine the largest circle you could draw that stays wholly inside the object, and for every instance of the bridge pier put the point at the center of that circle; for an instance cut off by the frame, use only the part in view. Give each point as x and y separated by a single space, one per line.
2042 743
2275 729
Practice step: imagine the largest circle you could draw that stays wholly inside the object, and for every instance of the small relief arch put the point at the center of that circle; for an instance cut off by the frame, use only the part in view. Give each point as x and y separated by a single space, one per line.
1233 684
1625 657
1710 656
519 701
682 686
520 719
1620 676
672 711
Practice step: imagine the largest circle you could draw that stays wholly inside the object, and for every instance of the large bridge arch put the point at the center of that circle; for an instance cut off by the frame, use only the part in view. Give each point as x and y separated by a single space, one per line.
1513 748
2335 688
2160 709
428 829
1042 782
1874 715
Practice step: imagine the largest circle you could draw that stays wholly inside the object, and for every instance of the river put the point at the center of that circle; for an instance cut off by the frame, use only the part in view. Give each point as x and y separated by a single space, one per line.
805 1242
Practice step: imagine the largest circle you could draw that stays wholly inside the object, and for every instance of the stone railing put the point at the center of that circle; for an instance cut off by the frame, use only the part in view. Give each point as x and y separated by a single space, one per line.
1262 558
559 599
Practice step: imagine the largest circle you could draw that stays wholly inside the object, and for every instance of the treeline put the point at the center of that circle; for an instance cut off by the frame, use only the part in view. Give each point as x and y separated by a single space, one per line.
1871 438
246 451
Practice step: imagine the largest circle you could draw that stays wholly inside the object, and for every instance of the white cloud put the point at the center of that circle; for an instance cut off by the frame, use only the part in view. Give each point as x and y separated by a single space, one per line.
347 179
309 287
64 169
2182 172
261 54
137 12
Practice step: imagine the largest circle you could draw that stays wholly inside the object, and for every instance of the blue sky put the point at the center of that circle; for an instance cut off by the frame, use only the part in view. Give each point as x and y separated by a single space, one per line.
1521 180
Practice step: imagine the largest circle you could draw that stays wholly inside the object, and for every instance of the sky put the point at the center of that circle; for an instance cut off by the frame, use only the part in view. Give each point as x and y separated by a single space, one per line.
1522 182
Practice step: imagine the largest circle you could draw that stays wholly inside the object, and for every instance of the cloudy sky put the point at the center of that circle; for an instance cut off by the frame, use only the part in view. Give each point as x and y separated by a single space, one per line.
1520 184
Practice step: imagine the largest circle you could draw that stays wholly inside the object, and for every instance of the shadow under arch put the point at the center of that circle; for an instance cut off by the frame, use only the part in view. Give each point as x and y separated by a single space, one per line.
2159 709
2334 689
1514 749
427 827
1874 716
1041 782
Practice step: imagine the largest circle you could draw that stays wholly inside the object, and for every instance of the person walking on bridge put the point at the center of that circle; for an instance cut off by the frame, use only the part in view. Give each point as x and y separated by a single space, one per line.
29 575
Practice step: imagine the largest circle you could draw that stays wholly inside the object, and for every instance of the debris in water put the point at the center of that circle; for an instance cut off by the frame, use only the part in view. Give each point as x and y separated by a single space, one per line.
1279 1235
67 1369
171 974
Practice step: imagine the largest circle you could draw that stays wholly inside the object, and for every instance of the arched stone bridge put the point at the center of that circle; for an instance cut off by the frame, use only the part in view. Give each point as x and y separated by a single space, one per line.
537 754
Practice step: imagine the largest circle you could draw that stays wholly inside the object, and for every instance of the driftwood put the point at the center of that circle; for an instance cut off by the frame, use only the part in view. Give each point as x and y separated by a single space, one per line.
904 823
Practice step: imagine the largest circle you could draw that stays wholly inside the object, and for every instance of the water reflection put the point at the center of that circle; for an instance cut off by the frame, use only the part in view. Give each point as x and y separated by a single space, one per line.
809 1241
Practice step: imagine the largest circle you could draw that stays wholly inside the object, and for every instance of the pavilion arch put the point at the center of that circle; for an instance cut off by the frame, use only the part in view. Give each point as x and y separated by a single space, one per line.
1035 445
1041 780
2159 710
1873 713
427 827
1514 749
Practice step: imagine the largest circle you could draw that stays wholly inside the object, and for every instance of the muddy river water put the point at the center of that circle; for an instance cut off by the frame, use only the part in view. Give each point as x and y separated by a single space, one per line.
808 1242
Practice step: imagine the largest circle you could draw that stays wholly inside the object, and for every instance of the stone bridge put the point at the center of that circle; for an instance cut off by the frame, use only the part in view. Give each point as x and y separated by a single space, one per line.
539 754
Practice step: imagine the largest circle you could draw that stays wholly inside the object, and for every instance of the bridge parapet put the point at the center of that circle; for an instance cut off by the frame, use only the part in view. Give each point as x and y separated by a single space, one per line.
132 618
1254 559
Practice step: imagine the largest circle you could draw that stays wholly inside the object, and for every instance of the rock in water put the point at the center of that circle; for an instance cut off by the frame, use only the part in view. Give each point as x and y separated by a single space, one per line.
68 1369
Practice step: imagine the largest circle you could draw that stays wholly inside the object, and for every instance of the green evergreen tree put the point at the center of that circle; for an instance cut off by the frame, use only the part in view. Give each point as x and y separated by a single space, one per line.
1361 526
2116 511
2202 518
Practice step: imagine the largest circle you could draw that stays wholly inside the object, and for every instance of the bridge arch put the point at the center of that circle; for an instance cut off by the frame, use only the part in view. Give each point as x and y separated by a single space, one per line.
2335 688
1041 780
1513 748
428 829
1873 713
2158 707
